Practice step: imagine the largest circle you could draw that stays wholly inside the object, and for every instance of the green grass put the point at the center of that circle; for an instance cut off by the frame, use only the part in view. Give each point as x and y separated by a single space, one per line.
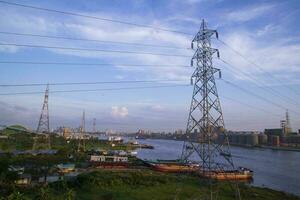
111 185
149 185
144 185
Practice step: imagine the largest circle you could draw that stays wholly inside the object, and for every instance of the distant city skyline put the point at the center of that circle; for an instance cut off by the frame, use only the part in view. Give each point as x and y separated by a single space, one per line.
249 27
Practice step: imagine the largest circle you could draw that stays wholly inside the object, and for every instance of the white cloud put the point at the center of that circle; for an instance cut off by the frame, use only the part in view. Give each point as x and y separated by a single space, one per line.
267 29
194 1
274 56
9 49
249 13
97 30
119 112
155 108
119 77
201 1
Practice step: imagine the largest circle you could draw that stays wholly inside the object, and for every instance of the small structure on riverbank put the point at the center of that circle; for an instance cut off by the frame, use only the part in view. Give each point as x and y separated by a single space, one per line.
115 139
109 160
24 179
66 168
103 158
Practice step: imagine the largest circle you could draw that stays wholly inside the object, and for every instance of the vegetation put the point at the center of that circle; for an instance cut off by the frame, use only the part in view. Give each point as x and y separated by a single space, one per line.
103 184
19 138
13 129
136 185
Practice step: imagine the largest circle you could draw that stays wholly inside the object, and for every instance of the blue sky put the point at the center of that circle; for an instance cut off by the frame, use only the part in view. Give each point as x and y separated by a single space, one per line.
267 32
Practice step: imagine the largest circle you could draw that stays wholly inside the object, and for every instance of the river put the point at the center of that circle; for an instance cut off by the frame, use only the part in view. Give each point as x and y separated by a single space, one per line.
279 170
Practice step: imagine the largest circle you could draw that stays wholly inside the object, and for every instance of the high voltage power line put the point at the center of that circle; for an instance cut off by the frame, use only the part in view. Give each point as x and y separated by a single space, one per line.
138 25
257 66
257 82
256 95
112 82
92 17
89 83
93 40
249 105
92 64
126 23
95 90
143 26
252 93
94 50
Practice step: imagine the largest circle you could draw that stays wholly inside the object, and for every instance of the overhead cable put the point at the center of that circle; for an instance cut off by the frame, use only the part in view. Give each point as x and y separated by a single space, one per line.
92 64
94 50
92 40
258 82
256 95
92 17
89 83
257 66
95 90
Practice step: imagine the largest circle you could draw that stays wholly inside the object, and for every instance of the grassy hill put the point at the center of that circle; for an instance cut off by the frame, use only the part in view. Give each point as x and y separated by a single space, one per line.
13 129
145 185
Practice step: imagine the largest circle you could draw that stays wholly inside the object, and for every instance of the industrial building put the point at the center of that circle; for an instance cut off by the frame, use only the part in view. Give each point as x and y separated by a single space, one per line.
283 136
246 138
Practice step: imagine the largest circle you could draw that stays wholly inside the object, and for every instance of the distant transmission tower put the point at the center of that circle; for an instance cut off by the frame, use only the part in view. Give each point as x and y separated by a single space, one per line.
288 123
81 144
205 134
94 125
43 126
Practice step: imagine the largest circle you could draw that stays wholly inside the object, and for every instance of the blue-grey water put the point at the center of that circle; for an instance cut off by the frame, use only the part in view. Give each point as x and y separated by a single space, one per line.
279 170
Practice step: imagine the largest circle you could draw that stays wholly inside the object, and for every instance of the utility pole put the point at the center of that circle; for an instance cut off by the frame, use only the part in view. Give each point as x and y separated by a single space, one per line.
205 132
94 125
43 125
81 144
288 123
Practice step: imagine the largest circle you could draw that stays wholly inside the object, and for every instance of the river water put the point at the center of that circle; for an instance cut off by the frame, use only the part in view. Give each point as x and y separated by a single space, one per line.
279 170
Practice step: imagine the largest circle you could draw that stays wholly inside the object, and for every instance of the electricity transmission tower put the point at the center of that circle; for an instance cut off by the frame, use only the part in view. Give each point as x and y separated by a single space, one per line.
43 126
81 144
205 134
94 125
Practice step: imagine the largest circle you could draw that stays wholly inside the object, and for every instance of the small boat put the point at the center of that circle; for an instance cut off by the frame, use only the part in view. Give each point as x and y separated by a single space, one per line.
133 153
225 154
115 139
174 166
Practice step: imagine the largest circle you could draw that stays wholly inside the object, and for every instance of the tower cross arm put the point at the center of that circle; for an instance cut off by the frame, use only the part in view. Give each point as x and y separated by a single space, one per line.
208 51
204 34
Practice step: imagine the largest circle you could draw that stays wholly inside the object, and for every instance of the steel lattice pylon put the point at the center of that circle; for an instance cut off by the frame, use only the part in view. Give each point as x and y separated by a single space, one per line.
43 126
81 144
205 135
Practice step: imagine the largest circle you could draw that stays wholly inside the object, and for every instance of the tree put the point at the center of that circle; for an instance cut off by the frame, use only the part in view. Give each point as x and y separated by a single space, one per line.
44 193
70 194
6 176
16 195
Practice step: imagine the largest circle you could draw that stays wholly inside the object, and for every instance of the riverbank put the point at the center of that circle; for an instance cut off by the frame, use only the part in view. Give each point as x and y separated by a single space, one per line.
278 148
278 170
140 184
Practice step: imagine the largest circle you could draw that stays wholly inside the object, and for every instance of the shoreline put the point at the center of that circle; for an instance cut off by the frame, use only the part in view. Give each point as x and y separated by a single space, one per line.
238 145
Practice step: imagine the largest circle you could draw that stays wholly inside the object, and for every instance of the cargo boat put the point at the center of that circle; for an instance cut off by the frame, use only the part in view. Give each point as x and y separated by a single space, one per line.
176 166
240 174
172 166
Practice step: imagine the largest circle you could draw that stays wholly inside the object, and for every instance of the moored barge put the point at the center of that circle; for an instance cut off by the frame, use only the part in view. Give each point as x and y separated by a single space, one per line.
240 174
172 166
176 166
